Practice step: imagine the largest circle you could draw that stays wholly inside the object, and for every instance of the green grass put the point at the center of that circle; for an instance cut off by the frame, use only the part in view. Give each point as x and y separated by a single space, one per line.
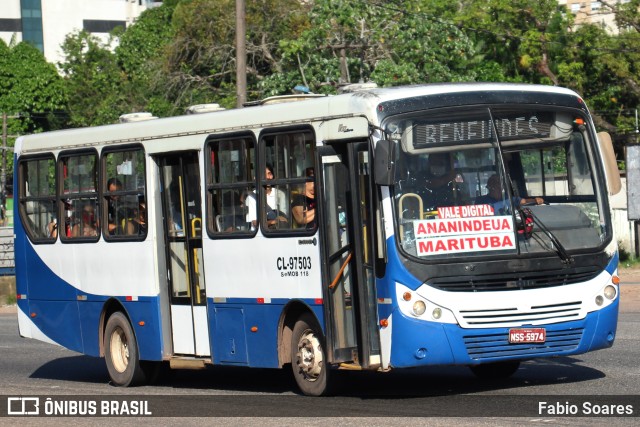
630 263
627 259
11 299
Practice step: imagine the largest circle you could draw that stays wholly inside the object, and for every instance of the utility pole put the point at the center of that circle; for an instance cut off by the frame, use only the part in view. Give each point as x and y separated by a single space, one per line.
637 130
241 54
3 173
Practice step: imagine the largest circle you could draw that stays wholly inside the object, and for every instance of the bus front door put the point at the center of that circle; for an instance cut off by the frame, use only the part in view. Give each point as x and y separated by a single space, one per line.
180 189
350 297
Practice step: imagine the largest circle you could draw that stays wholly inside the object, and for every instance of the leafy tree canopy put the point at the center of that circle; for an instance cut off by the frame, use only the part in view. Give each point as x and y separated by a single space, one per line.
183 53
32 94
94 80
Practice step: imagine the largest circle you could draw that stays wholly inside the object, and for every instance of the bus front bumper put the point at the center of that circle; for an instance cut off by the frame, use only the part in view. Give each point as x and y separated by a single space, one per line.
421 343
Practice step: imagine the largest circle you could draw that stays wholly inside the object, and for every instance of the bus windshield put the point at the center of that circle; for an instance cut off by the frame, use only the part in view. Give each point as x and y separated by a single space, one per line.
495 181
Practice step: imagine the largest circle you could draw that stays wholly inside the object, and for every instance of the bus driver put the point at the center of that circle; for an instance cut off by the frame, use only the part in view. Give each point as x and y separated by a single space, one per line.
444 185
496 199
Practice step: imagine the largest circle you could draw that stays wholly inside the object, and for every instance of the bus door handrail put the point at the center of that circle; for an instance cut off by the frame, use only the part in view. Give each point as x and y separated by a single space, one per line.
196 224
334 283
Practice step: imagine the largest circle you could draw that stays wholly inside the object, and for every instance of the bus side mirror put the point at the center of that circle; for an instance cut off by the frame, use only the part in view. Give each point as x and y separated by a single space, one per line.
385 162
610 165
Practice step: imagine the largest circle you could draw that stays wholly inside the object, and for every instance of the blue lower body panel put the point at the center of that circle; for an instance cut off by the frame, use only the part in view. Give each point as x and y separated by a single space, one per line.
76 324
58 320
246 334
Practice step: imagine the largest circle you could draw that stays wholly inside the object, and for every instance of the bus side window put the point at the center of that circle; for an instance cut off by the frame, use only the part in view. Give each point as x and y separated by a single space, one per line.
231 186
78 176
290 155
37 197
124 213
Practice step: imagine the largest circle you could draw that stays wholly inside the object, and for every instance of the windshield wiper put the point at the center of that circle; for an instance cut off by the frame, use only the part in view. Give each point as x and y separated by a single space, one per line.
511 192
557 246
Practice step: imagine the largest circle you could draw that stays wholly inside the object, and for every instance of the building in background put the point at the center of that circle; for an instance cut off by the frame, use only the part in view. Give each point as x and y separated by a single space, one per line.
46 23
593 12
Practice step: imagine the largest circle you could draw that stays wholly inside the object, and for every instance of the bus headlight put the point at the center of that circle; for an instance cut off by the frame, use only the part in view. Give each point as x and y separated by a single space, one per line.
610 292
599 300
419 308
437 313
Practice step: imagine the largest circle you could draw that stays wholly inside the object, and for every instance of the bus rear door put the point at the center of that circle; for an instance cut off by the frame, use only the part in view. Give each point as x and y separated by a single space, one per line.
180 184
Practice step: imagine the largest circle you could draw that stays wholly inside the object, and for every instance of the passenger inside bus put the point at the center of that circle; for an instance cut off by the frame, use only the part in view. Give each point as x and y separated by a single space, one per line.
137 222
497 199
88 225
303 206
276 206
52 228
113 184
248 205
233 216
444 185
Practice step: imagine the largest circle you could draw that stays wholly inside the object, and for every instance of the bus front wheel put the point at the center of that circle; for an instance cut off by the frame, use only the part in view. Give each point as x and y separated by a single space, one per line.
121 352
495 370
308 357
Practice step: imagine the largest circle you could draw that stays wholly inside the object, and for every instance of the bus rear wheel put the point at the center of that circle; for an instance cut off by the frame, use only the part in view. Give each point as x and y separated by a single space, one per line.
308 357
495 370
121 352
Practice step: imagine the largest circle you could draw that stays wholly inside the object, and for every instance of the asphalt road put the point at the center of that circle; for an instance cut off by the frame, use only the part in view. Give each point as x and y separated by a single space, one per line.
431 396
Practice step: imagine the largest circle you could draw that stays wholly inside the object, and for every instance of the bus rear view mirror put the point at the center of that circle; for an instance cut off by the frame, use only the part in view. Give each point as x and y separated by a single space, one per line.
385 160
611 166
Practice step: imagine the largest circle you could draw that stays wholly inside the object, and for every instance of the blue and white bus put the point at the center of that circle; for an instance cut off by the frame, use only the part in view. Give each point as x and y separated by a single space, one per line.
448 224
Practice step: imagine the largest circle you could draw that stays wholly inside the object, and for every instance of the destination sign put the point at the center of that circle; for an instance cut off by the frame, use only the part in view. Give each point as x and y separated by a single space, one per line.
521 126
459 230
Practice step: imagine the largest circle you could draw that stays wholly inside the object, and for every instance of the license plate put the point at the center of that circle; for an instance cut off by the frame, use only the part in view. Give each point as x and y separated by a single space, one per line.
527 335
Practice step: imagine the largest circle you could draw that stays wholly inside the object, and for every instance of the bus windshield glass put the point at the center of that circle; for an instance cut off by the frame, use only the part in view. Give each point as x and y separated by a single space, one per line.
496 181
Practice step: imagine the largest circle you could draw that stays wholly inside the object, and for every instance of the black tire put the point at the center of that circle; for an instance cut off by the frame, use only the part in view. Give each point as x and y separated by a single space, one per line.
121 352
496 370
308 357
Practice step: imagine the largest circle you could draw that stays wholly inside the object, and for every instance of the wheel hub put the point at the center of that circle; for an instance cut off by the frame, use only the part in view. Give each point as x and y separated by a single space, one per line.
310 359
119 350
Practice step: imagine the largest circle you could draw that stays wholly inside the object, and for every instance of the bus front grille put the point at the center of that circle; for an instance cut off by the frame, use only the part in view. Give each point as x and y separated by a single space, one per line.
515 317
481 347
514 281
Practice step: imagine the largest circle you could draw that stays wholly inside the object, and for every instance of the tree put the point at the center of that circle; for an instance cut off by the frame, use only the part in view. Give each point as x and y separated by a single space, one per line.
518 34
105 84
94 81
620 60
392 43
140 55
200 61
31 92
30 87
537 42
183 52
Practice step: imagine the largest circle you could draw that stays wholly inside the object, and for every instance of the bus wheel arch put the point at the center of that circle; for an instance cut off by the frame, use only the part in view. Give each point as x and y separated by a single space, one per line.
288 318
120 348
